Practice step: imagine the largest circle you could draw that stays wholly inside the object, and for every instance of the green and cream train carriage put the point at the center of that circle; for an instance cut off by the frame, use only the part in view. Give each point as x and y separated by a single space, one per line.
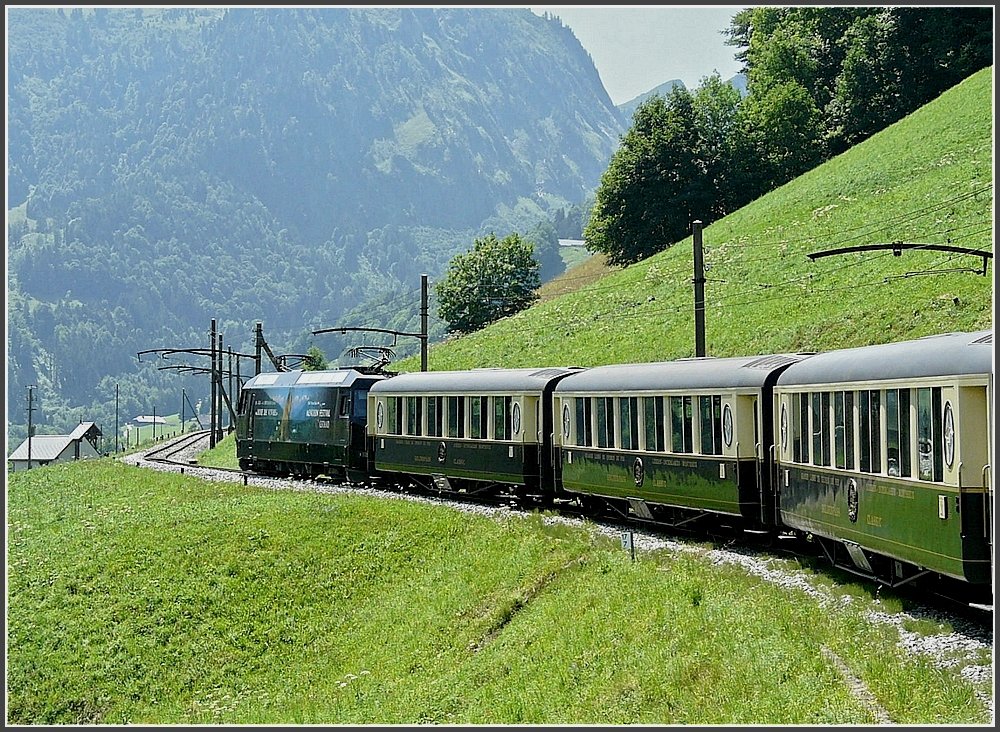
671 442
469 431
883 454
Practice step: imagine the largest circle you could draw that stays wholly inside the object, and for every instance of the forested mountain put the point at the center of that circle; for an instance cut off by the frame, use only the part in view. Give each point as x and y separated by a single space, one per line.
170 166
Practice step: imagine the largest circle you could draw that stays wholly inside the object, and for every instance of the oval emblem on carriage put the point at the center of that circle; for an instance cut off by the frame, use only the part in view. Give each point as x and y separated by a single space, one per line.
949 435
515 418
566 421
727 425
852 501
380 415
442 451
638 472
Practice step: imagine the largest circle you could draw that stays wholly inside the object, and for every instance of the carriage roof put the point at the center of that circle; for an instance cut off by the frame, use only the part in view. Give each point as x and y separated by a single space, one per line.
472 382
694 374
950 354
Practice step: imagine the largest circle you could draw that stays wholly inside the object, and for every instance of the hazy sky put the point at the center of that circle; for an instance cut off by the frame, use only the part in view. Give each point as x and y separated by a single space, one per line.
636 48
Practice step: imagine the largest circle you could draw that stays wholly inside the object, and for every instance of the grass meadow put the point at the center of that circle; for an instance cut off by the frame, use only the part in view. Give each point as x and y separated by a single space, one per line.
142 597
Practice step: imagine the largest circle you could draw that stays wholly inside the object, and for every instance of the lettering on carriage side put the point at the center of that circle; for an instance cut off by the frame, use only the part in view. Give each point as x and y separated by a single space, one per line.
317 412
873 520
421 459
830 510
459 461
265 412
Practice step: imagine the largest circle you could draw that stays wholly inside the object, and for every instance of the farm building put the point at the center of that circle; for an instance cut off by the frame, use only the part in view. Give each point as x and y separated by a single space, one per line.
81 444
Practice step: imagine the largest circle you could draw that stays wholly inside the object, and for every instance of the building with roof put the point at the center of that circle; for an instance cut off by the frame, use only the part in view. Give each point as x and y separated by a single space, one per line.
81 444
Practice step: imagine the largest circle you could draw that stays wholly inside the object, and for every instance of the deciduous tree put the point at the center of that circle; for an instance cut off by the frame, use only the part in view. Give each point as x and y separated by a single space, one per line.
493 280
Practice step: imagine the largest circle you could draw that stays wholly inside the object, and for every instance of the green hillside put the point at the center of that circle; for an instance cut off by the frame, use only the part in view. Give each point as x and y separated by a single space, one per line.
926 179
140 597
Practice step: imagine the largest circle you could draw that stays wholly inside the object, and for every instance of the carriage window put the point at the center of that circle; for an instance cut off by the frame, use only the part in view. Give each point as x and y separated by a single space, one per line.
435 416
710 413
605 422
800 427
843 429
583 434
628 422
653 408
501 418
930 463
456 417
681 424
821 428
345 405
479 418
394 415
870 439
897 416
414 415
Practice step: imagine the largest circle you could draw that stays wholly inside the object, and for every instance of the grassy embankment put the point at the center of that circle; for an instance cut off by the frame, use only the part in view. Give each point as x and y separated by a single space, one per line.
145 597
926 179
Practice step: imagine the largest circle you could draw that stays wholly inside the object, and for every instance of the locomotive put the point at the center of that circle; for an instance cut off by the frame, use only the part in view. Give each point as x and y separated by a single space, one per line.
881 454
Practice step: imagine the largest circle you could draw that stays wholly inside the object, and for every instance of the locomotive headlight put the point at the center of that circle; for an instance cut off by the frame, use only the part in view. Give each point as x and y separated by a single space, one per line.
949 435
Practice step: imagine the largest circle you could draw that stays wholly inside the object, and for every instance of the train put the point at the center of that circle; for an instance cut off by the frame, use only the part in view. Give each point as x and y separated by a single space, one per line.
880 455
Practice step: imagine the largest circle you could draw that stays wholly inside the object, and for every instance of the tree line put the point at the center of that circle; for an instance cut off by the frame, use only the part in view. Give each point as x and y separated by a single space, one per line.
819 80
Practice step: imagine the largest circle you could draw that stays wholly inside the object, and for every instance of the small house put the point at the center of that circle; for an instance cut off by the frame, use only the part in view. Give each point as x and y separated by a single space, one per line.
81 444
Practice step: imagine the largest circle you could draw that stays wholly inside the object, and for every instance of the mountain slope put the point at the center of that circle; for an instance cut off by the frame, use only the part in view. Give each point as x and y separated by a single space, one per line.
170 166
925 179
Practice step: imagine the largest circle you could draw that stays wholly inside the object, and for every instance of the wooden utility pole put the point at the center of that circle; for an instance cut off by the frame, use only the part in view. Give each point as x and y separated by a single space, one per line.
423 322
31 408
214 397
699 291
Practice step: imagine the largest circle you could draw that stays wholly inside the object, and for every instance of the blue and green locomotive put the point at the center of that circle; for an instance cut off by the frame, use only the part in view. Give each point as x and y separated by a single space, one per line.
305 424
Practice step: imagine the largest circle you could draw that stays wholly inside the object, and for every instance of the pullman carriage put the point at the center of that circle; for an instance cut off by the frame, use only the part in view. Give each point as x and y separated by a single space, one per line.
671 442
466 431
305 423
883 455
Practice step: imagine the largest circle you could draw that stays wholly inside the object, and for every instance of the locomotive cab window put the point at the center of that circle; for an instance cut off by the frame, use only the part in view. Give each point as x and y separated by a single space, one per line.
360 400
